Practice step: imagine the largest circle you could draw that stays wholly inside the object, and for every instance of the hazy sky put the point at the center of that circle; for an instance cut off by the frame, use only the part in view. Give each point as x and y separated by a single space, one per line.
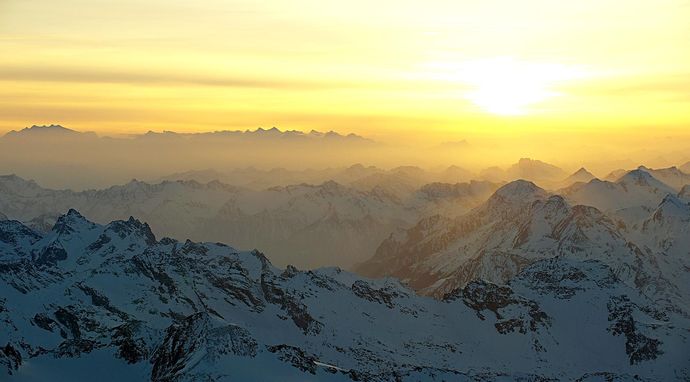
435 69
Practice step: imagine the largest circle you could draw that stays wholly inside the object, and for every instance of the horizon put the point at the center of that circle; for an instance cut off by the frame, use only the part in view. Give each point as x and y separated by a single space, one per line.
620 152
56 155
494 71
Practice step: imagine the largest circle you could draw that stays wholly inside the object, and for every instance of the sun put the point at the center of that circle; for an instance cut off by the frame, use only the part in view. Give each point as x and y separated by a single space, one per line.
508 86
507 96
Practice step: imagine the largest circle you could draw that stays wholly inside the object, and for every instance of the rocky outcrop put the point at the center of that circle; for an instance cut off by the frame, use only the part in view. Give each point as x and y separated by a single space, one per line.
513 313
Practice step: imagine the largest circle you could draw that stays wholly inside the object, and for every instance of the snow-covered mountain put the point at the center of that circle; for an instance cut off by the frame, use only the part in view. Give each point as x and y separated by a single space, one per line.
304 225
456 174
518 224
175 207
581 175
113 301
671 176
521 224
635 189
665 233
310 225
526 168
451 200
400 181
615 175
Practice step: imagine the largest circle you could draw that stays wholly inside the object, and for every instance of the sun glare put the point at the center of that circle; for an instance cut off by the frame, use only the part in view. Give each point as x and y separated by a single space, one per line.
506 86
507 96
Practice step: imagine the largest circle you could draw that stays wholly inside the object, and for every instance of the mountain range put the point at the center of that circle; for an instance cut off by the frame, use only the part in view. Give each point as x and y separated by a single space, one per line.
304 225
259 133
338 223
54 154
522 223
400 181
525 168
83 298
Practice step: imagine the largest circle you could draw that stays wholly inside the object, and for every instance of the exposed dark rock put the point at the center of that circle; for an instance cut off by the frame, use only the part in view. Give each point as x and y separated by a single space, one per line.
482 296
180 343
100 300
98 244
10 357
131 348
68 320
146 268
562 280
133 226
296 310
239 288
75 347
638 347
295 356
362 290
603 376
44 322
184 340
51 255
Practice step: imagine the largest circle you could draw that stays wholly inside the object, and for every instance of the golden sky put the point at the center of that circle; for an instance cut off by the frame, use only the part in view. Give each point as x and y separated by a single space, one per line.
450 69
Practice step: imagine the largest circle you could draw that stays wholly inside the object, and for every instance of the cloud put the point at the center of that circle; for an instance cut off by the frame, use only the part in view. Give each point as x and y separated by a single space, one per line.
89 75
673 84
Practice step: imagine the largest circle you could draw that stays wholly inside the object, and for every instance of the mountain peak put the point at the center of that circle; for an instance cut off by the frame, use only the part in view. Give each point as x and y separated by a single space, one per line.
641 177
672 206
639 173
520 187
518 191
71 222
332 186
14 178
72 212
534 169
42 129
581 175
533 162
135 184
670 176
582 171
272 130
668 170
407 170
131 226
